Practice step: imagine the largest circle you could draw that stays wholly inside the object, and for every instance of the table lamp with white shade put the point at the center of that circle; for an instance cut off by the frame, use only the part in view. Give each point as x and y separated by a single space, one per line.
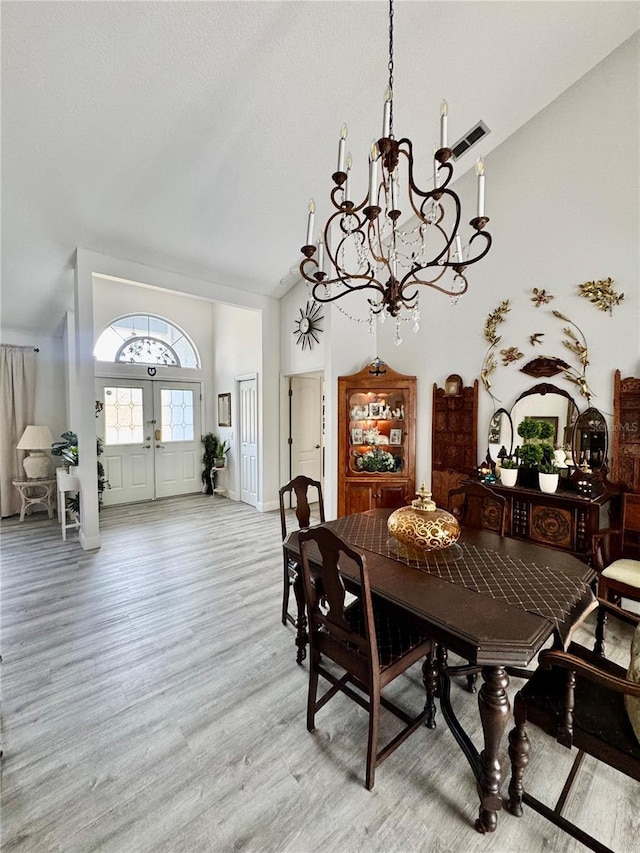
38 440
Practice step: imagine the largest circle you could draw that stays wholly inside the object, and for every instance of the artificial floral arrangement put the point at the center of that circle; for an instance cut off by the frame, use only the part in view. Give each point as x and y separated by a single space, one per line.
376 460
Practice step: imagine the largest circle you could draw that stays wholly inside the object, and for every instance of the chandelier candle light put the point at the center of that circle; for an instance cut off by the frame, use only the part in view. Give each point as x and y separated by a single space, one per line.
363 247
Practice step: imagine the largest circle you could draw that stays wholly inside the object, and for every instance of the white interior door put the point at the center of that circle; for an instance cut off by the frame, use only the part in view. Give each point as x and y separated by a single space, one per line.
306 426
151 433
248 429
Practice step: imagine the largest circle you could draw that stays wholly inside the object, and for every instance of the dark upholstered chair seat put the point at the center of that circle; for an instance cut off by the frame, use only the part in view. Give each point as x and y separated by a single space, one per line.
599 713
393 638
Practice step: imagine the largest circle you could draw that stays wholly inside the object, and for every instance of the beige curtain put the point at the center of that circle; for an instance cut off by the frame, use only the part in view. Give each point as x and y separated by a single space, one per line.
17 393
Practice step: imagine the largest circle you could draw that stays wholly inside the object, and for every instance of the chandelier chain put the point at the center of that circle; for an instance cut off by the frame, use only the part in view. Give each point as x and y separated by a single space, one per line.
391 68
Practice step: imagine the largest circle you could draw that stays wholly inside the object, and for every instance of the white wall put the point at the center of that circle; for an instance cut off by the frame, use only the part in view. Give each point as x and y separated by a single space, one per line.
50 378
293 359
563 197
236 351
113 298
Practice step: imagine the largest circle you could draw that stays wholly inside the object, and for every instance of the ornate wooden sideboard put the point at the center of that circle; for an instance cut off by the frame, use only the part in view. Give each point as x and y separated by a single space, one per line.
376 439
565 520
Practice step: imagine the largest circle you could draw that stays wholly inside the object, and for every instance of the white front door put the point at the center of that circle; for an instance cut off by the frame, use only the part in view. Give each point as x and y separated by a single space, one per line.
306 426
151 434
248 393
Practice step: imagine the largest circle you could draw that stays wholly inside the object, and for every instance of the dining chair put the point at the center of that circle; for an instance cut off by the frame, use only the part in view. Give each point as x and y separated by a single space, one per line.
582 700
616 558
478 507
299 487
367 640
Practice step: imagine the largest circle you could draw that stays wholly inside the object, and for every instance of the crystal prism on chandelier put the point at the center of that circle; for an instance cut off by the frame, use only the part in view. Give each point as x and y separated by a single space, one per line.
363 246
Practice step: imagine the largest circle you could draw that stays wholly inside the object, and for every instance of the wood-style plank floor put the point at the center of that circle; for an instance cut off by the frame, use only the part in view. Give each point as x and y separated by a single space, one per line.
151 702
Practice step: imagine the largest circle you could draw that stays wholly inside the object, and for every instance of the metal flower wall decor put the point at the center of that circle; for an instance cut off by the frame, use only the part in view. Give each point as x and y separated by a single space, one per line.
601 294
578 346
489 364
540 297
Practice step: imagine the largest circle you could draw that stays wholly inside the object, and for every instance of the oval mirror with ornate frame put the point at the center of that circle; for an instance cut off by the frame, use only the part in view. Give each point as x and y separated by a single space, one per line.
590 439
547 402
500 434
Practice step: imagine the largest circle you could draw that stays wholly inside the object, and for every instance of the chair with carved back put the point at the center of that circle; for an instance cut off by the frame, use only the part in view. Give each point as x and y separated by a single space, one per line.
299 487
366 638
478 507
616 558
582 700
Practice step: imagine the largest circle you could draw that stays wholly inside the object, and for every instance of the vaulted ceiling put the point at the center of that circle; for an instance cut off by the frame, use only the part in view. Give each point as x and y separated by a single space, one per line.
190 136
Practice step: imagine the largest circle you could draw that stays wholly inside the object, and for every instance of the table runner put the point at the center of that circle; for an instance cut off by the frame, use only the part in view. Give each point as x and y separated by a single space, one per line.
542 590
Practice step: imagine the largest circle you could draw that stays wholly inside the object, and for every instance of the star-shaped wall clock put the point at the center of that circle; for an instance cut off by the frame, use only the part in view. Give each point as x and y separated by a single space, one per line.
307 325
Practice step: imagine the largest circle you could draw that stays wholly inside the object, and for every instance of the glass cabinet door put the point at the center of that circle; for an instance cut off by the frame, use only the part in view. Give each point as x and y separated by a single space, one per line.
376 432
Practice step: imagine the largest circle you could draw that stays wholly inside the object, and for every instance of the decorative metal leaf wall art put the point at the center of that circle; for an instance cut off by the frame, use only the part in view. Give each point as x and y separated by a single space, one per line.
601 294
489 363
544 365
578 346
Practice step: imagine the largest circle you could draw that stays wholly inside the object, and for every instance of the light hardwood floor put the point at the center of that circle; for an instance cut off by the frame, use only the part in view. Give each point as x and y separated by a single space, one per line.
151 702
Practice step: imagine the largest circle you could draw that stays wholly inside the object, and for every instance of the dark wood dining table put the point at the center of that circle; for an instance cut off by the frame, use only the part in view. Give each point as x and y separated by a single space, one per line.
492 600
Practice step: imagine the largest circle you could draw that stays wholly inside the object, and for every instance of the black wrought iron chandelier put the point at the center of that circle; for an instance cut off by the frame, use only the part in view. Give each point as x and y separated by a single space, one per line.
364 247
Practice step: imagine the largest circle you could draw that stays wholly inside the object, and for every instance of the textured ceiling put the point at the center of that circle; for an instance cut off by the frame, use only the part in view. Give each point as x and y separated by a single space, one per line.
190 136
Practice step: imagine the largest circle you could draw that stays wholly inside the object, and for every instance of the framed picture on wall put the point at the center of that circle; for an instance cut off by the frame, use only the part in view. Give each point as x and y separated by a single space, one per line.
395 436
224 410
356 436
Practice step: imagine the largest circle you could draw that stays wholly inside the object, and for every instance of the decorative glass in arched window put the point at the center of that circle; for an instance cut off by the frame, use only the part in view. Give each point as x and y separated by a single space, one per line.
145 339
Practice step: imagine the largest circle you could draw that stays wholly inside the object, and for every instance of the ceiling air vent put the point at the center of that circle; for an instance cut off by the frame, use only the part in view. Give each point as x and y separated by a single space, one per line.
477 132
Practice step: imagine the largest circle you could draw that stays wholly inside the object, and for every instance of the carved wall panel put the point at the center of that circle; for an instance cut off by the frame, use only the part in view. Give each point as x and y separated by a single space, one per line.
625 467
454 439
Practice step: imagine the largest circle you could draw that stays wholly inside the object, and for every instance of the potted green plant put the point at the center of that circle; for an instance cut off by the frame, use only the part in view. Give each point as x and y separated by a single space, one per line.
531 453
67 448
509 471
221 454
548 476
210 445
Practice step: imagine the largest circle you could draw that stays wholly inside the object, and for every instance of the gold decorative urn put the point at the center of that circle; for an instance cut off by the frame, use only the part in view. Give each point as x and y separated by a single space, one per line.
422 527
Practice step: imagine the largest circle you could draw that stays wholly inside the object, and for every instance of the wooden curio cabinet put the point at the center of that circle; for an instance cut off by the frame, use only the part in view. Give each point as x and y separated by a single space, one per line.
376 439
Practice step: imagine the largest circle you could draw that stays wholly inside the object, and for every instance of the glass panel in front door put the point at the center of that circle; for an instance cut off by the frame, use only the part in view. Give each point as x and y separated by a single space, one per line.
176 413
123 415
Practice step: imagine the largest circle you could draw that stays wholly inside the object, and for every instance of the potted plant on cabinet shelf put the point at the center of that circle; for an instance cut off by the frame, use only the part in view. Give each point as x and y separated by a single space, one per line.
548 475
535 450
509 471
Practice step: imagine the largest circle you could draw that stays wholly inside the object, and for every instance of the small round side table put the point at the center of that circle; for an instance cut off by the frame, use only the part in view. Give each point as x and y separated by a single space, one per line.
36 491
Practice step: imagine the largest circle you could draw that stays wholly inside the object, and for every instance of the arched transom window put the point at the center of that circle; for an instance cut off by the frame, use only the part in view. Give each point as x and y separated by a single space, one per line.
145 339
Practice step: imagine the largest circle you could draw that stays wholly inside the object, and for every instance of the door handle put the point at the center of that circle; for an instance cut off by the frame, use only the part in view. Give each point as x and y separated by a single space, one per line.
146 446
159 446
317 447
